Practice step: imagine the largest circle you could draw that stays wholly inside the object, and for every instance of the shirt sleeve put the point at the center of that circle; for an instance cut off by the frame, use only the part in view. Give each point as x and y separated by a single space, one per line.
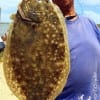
2 45
1 39
96 29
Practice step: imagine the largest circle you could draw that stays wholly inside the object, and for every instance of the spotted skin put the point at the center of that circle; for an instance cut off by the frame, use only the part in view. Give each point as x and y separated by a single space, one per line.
36 57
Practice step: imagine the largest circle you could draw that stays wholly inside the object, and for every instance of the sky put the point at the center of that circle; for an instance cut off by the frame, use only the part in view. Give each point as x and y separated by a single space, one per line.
89 8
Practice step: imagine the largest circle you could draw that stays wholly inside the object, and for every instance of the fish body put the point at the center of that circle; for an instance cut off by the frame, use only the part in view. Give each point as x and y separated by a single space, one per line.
36 58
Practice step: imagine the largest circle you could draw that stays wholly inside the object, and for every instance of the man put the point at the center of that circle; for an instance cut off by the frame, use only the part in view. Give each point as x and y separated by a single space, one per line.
2 42
84 43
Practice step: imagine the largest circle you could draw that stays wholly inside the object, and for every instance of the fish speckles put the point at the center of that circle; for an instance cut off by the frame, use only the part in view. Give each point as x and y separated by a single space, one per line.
52 41
46 41
22 54
53 35
17 60
47 36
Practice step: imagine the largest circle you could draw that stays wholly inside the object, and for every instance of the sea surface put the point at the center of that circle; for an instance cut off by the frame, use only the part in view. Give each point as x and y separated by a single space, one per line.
3 28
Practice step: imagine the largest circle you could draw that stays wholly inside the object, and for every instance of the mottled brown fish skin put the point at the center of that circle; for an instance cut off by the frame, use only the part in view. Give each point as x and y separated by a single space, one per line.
36 58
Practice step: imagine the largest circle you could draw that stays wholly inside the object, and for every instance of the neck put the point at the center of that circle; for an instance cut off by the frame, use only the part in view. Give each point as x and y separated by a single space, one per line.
68 11
71 12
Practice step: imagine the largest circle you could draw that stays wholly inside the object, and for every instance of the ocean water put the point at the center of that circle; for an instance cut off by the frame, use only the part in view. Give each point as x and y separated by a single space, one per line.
3 28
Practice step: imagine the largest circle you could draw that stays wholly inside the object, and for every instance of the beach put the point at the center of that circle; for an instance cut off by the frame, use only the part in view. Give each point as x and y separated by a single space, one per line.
5 93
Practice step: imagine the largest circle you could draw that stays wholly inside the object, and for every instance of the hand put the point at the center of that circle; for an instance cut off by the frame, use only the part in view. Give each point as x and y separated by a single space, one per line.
4 37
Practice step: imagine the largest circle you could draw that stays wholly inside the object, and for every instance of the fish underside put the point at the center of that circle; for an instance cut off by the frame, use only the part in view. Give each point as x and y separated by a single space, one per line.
36 57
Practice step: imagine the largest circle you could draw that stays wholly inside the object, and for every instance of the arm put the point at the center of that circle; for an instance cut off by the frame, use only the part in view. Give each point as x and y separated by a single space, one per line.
96 29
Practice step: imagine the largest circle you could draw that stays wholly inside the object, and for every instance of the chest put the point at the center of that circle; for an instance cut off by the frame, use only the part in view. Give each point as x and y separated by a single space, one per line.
83 38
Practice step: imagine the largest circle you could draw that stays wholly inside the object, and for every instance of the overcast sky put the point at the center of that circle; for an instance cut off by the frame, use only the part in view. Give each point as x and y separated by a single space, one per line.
90 8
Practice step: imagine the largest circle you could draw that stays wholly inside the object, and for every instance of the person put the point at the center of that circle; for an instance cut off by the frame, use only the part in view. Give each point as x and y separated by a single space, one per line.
83 82
3 42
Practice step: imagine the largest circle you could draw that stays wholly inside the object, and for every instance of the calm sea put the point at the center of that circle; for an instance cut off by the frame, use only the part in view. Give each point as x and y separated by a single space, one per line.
3 28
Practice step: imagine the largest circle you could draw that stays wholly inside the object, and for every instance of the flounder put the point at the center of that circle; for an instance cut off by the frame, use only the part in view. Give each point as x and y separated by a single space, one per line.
36 57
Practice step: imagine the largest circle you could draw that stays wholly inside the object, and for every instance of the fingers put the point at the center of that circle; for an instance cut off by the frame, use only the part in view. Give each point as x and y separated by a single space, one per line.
4 37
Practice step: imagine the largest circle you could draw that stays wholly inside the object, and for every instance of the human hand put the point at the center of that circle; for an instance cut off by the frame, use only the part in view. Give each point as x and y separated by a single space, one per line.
4 37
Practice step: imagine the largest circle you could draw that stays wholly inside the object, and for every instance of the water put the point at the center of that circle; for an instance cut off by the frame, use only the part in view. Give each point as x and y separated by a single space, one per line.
3 28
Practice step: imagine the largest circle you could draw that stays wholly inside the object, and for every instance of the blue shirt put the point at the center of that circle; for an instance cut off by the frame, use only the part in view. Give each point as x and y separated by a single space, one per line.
84 79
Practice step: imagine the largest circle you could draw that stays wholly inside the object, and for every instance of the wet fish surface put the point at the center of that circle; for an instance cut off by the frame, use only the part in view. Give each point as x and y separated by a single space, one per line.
36 58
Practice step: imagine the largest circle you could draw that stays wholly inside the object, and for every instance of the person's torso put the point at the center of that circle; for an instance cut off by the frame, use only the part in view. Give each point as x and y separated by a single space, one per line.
84 79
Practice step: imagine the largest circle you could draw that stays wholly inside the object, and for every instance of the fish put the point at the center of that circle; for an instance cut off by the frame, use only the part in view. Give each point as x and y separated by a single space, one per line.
36 60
